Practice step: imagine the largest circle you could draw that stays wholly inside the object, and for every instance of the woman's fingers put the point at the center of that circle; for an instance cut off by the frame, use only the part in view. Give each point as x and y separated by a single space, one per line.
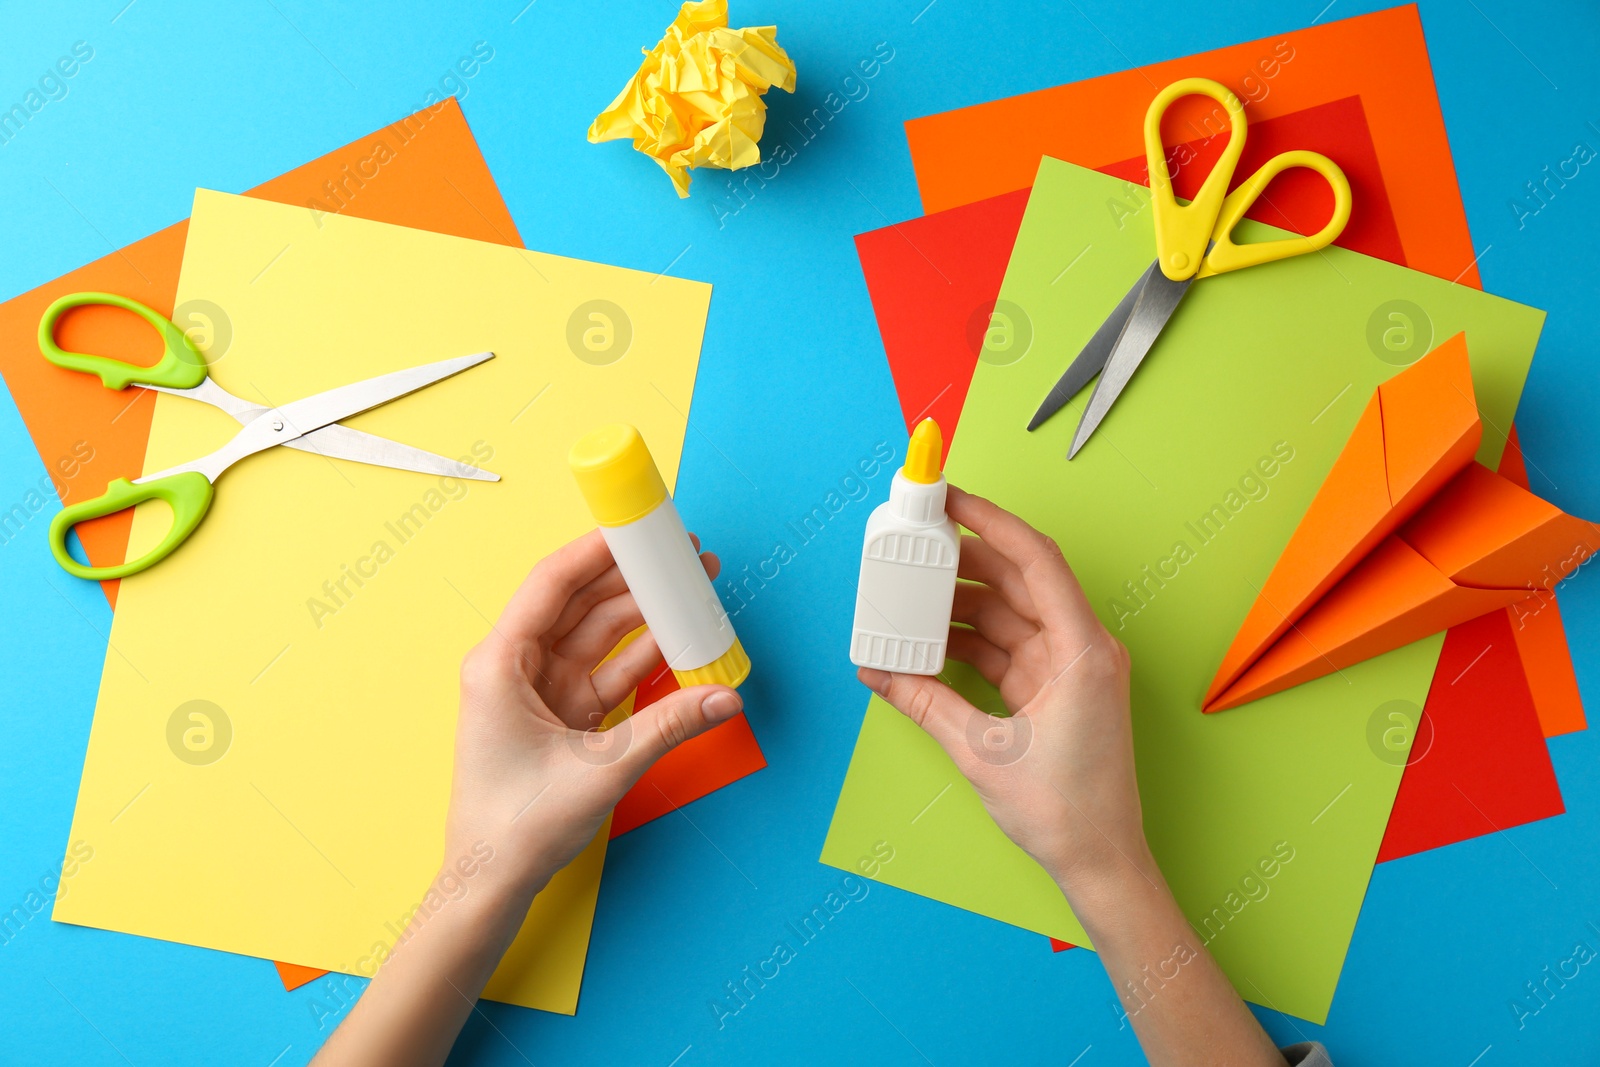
986 611
969 646
604 622
547 590
932 705
620 675
981 562
606 585
607 623
1051 585
652 732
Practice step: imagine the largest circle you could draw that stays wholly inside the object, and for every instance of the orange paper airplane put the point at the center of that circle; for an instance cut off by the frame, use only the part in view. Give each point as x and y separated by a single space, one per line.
1407 537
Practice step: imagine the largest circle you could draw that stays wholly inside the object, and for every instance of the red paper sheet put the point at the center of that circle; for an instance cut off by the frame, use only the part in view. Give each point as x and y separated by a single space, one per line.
1478 762
931 278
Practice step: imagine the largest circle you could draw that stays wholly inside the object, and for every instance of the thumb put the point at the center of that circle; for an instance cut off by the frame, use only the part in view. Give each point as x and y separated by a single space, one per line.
932 705
669 722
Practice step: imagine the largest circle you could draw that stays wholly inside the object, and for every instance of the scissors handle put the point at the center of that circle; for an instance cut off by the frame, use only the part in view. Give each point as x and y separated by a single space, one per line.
1226 255
188 494
181 366
1183 232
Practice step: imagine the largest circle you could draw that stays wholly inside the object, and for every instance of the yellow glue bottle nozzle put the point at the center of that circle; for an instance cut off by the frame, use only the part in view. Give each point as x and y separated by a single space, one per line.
922 455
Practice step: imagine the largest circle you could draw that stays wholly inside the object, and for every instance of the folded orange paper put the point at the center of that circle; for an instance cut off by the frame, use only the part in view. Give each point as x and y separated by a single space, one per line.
1408 536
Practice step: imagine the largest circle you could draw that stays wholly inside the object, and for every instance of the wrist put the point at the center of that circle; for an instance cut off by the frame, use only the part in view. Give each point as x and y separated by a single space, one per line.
483 920
482 880
1125 880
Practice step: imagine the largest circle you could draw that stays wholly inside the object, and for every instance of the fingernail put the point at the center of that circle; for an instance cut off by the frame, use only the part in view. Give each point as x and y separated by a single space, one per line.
875 680
722 705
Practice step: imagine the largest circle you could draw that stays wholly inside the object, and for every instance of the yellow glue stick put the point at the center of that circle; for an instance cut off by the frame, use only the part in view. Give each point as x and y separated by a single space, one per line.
908 568
626 496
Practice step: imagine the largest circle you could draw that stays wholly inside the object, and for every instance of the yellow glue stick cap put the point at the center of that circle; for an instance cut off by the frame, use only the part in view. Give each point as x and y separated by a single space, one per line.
922 456
729 669
617 475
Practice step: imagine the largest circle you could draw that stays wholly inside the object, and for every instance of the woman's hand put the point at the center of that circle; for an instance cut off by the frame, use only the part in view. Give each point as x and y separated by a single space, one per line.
534 781
535 776
1057 776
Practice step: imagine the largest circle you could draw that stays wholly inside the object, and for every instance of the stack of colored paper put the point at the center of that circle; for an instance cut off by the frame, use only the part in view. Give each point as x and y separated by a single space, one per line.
1038 221
312 832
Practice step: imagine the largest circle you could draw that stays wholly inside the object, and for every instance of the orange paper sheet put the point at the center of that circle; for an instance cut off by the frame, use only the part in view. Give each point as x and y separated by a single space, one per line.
424 171
1541 639
1381 57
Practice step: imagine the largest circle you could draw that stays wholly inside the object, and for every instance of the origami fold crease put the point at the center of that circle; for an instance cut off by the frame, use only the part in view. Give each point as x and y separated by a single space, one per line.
1408 536
696 99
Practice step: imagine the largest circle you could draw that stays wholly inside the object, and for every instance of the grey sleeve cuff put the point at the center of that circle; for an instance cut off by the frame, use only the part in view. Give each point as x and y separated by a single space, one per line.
1307 1054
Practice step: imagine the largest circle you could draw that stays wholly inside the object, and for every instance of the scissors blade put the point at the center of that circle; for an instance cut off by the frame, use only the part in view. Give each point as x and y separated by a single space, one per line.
1159 297
336 441
1093 358
292 422
312 413
343 442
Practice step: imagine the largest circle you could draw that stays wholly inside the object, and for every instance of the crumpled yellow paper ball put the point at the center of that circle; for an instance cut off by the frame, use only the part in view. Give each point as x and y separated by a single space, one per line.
696 99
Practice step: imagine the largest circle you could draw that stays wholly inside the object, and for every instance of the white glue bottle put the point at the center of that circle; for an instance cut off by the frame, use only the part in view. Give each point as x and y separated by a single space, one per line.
908 568
629 500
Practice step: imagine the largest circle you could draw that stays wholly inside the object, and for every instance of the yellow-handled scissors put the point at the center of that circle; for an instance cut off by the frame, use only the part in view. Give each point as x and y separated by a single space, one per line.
310 424
1193 240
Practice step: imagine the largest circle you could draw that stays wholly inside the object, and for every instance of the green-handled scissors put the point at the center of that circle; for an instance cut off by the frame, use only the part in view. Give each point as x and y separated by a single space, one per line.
310 424
1193 241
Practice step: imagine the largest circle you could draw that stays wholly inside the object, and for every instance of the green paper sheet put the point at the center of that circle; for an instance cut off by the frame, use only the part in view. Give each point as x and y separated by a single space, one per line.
1264 369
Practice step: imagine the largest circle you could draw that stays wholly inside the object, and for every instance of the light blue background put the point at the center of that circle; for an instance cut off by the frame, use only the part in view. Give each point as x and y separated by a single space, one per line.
226 96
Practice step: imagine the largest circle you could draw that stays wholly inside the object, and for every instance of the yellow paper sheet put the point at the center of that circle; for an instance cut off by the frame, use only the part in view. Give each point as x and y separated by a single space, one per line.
324 606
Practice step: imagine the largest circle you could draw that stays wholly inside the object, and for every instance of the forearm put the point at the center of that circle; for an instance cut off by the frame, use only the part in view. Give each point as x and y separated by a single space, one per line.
1182 1007
427 987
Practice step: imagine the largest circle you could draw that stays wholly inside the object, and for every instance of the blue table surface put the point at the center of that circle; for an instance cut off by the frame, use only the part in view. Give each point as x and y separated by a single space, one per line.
186 94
